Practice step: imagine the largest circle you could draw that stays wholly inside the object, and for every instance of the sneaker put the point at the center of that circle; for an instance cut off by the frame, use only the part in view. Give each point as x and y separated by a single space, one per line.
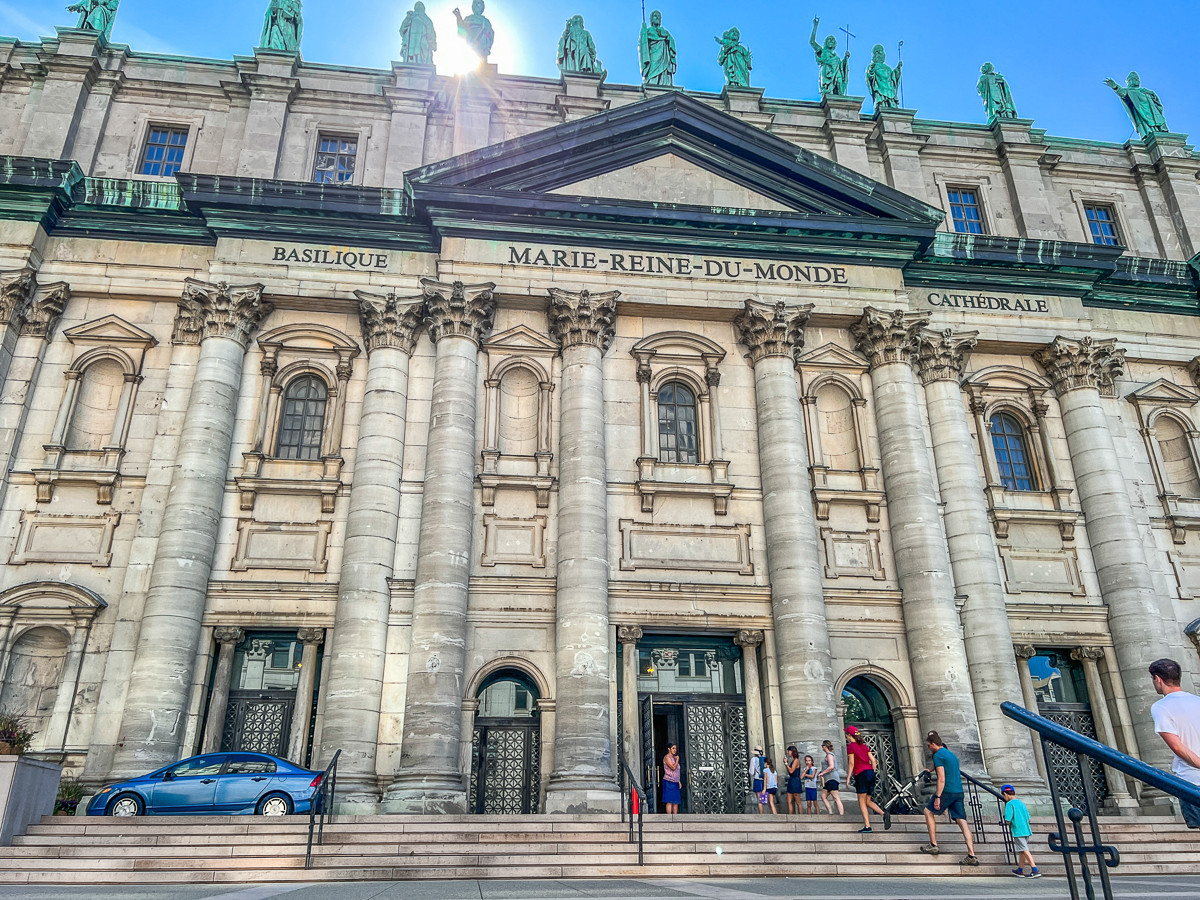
866 830
1034 874
887 820
1020 873
931 848
970 861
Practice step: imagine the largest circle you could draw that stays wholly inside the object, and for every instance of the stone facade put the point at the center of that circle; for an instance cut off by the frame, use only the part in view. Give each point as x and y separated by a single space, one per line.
584 389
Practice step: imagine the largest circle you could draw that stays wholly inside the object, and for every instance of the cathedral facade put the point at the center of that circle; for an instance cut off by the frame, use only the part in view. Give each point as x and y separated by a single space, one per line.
499 431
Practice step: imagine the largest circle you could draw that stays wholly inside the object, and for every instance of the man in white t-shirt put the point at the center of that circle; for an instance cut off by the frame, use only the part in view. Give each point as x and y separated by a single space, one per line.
1177 720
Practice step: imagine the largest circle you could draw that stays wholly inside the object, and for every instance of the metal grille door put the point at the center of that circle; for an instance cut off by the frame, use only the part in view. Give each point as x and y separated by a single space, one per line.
1077 717
716 752
505 773
881 738
258 722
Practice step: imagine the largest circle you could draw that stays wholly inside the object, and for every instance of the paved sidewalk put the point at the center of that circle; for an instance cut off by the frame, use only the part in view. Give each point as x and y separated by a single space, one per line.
1165 887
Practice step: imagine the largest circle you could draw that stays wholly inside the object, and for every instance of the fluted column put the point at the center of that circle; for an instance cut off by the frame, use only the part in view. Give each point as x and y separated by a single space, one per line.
310 639
1078 369
631 730
227 638
431 778
1007 752
358 651
774 335
936 652
584 774
220 319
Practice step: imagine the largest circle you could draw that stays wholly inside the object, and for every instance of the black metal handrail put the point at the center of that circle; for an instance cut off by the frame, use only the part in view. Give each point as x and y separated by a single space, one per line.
974 786
1075 845
633 801
321 807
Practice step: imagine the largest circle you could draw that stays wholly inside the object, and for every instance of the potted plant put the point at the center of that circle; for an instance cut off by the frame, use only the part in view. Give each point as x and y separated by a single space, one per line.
70 792
15 735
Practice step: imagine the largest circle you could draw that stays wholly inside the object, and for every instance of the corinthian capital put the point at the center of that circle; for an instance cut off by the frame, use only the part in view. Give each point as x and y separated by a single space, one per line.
581 317
1085 363
942 355
218 310
885 337
16 292
390 321
772 329
40 316
462 309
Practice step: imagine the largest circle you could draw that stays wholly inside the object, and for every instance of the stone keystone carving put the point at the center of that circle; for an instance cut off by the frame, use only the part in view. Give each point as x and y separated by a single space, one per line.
888 337
228 634
218 310
40 316
16 293
462 309
1079 654
390 321
748 639
1085 363
942 355
1025 651
772 329
629 634
311 635
582 317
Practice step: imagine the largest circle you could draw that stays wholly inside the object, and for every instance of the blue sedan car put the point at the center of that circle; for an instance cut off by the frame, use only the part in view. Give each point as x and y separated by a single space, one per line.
213 784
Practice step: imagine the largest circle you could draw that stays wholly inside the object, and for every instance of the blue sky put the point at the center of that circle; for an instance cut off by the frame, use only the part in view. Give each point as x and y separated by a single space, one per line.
1055 55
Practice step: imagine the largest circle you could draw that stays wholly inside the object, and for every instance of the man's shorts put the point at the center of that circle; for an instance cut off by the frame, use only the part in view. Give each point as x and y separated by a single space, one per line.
1021 843
952 804
1191 814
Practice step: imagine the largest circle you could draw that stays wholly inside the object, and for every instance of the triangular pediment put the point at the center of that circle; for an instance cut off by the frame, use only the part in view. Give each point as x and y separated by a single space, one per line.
831 356
110 330
521 339
1163 392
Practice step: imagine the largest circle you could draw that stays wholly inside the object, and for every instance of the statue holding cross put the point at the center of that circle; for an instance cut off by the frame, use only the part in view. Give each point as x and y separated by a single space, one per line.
835 69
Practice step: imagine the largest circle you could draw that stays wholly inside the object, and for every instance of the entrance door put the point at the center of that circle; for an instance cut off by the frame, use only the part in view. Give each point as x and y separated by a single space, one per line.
868 710
506 748
1062 695
262 695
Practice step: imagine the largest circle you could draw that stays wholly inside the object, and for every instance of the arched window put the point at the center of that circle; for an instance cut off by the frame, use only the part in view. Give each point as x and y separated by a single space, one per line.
95 410
1012 453
302 420
1179 466
677 424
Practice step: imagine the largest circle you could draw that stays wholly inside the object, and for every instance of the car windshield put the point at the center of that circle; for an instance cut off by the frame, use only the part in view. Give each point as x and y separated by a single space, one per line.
200 765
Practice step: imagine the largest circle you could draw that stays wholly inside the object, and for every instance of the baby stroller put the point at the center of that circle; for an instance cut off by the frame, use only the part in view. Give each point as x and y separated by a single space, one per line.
903 798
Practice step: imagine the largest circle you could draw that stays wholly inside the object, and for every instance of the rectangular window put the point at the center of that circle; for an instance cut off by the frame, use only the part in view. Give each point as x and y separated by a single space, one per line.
335 159
1103 223
164 150
964 210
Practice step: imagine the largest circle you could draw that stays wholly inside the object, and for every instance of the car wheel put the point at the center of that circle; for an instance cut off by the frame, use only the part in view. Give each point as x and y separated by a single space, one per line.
126 805
275 805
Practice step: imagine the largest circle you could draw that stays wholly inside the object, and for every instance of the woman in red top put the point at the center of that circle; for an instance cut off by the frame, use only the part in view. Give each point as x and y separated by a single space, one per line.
862 770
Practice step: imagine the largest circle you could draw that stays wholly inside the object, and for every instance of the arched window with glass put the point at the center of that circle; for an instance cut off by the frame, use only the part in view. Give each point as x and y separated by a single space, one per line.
302 418
677 432
1010 441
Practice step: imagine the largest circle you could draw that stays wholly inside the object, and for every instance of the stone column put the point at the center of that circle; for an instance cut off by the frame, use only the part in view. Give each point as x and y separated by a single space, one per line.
311 639
431 778
358 645
1118 787
749 641
584 774
227 639
631 732
1008 752
932 628
1024 653
774 335
221 319
1078 369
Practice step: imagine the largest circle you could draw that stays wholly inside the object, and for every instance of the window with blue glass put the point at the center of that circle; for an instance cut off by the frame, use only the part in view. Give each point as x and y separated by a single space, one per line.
164 151
335 159
1103 224
1010 442
964 210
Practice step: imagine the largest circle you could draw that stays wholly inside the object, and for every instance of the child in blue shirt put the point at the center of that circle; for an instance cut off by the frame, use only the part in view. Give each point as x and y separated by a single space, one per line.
1016 814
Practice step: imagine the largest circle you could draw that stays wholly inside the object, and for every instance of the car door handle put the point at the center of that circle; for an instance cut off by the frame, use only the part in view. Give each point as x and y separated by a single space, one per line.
259 778
207 780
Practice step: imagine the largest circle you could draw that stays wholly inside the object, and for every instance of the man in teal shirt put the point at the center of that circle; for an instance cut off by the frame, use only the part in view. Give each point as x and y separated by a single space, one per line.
1016 814
947 798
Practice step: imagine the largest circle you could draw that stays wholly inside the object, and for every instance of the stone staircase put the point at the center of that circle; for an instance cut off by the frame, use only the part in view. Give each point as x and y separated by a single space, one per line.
240 849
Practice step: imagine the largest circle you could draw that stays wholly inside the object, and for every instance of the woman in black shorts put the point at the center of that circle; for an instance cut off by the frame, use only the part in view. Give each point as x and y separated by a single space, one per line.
829 775
795 786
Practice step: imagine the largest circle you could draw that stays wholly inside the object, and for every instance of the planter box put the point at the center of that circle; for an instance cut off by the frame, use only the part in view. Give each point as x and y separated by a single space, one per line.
28 788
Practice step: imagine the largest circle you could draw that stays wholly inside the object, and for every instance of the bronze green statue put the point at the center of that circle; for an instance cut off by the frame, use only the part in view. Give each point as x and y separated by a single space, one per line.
1142 104
283 26
476 30
577 50
997 98
835 70
882 80
656 52
96 15
418 40
734 58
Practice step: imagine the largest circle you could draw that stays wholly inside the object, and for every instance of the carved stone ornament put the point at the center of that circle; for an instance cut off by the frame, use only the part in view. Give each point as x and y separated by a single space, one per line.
1085 363
664 657
218 310
1194 370
40 316
772 329
16 292
458 309
228 634
748 639
1025 651
390 321
942 355
629 634
885 337
582 318
1079 654
311 635
260 649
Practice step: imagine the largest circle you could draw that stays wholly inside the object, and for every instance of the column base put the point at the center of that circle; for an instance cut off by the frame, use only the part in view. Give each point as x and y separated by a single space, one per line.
357 795
582 794
425 795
